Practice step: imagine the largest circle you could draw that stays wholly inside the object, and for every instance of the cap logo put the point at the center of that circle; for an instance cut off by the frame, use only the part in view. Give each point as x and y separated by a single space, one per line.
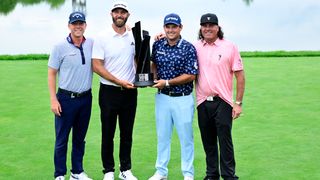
77 15
208 18
172 18
122 5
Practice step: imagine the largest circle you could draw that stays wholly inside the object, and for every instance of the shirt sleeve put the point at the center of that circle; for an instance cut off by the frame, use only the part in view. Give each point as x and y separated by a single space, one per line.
153 52
55 58
237 63
97 49
191 65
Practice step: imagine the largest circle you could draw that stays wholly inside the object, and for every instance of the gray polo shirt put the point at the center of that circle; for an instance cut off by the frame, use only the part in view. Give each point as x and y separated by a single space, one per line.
74 74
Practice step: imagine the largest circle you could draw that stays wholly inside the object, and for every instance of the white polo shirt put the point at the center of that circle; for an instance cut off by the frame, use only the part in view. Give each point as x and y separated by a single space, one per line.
117 51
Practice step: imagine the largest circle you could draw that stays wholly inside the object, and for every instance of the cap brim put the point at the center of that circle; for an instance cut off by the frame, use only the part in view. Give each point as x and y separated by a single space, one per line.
119 8
70 22
202 23
175 23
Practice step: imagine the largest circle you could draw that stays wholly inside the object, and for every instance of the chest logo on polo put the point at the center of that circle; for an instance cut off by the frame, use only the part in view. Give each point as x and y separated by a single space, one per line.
160 52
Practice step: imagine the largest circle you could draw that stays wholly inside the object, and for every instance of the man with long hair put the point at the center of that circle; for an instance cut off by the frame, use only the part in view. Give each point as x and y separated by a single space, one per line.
219 62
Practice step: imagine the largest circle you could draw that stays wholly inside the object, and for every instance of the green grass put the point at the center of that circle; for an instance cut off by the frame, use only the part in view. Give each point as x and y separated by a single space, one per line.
276 138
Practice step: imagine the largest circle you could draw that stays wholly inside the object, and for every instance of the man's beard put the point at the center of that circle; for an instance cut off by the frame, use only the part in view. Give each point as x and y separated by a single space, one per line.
119 24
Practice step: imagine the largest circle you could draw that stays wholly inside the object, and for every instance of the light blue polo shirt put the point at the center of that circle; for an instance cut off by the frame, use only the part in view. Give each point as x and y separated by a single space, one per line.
74 72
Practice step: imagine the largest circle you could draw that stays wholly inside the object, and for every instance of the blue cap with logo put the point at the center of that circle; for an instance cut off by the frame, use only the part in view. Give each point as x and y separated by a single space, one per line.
172 19
77 16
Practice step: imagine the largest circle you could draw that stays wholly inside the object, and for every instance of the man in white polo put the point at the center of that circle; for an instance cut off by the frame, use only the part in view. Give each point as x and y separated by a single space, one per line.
113 60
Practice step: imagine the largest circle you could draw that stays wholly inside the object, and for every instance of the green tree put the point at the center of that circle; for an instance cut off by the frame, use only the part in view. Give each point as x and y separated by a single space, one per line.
248 2
6 6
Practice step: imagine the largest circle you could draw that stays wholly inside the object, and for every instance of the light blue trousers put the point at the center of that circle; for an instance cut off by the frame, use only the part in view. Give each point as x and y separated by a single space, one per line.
178 112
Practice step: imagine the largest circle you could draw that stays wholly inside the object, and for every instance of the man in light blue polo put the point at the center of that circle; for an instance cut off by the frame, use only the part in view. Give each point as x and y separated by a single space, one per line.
70 60
174 61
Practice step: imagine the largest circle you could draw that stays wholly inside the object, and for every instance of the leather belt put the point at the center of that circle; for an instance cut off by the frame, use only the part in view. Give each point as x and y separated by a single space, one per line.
112 87
74 94
173 94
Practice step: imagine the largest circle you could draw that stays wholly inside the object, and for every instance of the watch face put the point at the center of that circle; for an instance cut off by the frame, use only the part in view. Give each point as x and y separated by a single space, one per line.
238 102
167 83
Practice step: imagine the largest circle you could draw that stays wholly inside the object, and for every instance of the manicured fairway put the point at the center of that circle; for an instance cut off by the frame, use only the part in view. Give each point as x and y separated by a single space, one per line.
277 138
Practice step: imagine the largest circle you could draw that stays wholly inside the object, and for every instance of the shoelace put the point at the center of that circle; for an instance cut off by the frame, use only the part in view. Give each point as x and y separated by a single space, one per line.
74 177
123 175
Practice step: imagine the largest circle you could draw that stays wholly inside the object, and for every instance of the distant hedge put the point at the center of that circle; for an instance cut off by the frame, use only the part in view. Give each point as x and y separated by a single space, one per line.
279 53
25 57
243 54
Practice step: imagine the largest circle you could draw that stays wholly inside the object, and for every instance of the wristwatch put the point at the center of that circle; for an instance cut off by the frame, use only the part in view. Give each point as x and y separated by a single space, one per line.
238 103
167 83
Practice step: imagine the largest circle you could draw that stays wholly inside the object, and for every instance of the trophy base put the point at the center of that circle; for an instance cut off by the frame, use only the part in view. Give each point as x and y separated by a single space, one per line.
143 84
144 80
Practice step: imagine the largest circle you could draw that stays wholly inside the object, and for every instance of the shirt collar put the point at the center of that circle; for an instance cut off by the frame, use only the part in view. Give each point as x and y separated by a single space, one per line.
114 33
178 44
216 43
69 39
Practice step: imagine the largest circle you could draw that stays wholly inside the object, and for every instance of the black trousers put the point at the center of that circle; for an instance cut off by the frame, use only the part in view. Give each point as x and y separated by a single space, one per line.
117 103
215 123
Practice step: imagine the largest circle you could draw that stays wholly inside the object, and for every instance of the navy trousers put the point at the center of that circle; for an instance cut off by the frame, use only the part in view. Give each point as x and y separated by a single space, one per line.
215 123
75 115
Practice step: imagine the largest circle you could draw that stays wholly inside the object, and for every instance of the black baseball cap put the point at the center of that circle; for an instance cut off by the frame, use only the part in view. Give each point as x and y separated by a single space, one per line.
209 18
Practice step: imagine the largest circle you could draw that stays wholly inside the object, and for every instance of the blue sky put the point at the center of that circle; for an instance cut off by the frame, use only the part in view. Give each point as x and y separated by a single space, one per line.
264 25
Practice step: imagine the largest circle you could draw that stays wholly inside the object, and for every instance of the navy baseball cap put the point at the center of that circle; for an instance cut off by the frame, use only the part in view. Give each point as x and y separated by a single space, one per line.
172 19
209 18
77 16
